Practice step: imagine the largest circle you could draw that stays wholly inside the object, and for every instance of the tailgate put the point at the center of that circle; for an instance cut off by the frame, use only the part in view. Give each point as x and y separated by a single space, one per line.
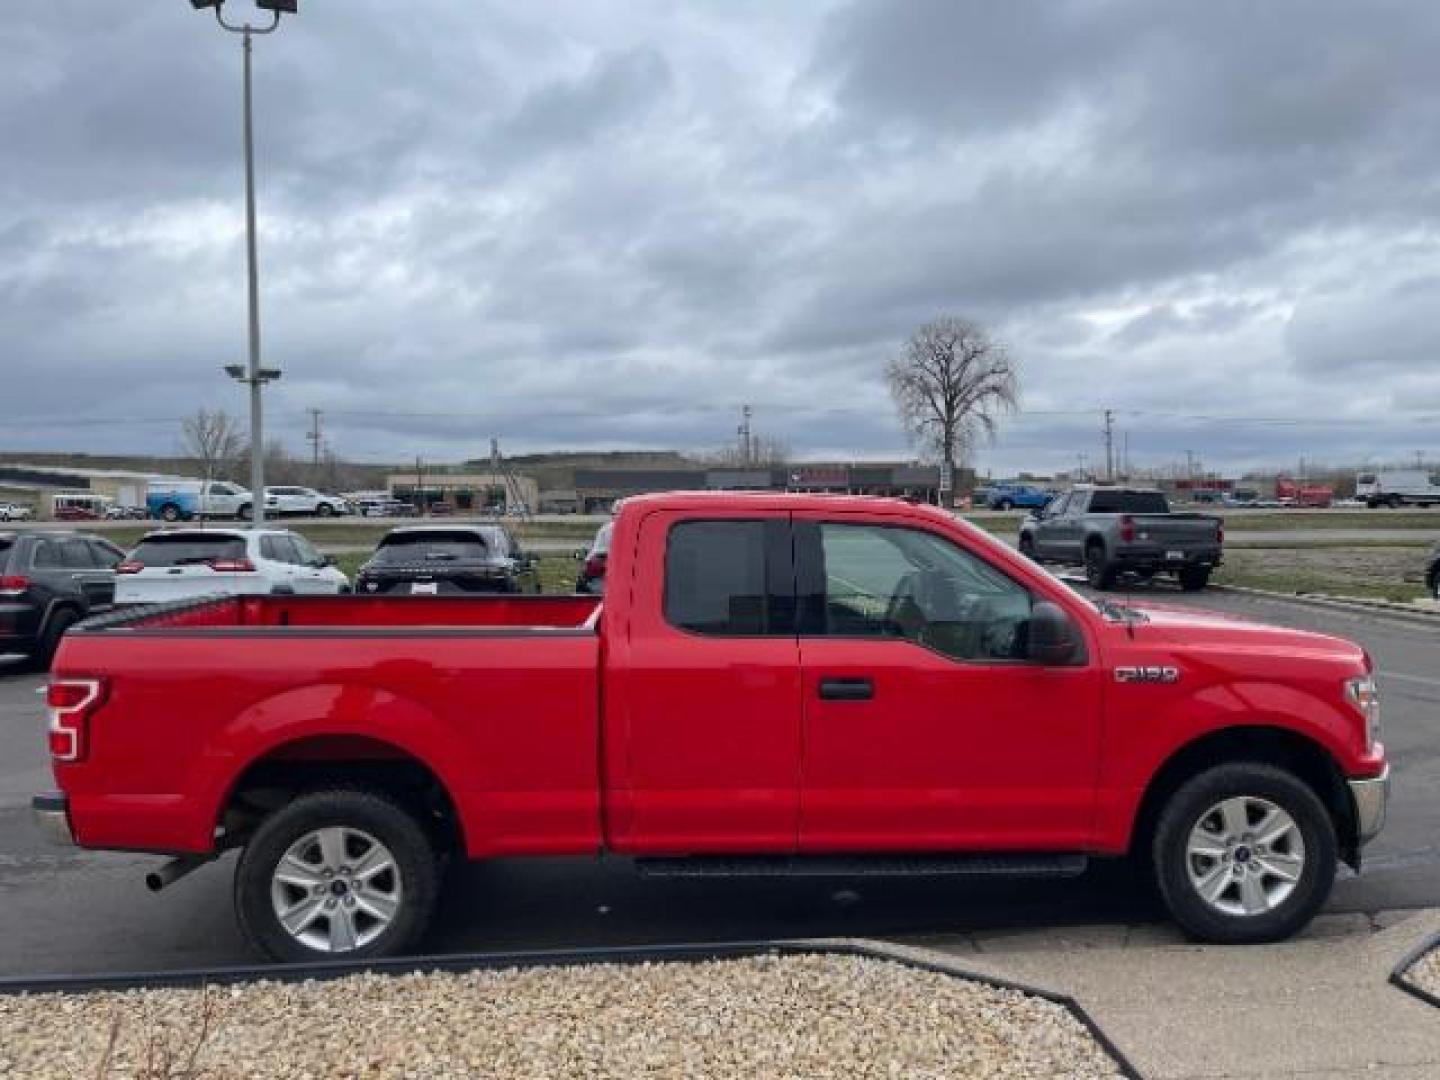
159 584
1179 532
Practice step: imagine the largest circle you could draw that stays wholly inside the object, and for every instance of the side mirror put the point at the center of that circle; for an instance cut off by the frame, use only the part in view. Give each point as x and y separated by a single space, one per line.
1053 637
580 555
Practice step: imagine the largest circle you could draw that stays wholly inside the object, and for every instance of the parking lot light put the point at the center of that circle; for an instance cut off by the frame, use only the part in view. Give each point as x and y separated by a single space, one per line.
252 374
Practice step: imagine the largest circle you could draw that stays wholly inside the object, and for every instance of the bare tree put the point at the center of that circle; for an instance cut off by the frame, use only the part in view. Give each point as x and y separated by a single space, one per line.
764 452
950 385
214 439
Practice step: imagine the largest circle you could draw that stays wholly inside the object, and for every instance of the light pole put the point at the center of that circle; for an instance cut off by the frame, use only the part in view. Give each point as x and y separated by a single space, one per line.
253 374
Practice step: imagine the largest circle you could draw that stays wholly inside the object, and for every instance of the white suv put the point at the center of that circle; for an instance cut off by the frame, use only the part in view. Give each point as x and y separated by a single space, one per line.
299 500
14 512
180 563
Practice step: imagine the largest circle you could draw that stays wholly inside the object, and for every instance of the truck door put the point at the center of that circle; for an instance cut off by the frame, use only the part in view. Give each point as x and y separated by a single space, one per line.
702 690
925 729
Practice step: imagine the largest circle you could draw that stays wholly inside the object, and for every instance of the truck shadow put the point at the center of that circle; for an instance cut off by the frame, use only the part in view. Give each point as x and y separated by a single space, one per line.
565 903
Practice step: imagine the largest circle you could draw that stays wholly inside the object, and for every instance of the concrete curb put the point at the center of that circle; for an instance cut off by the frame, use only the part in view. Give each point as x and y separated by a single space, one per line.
1421 615
1399 977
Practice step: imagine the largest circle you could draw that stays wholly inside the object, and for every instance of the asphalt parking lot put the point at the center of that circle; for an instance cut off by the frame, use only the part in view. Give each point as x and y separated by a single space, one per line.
66 911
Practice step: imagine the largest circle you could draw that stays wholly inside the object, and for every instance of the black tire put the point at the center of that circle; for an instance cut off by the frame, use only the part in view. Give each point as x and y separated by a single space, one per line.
378 816
1004 504
1098 571
243 514
1027 547
1185 809
1194 578
1434 582
325 510
50 636
170 512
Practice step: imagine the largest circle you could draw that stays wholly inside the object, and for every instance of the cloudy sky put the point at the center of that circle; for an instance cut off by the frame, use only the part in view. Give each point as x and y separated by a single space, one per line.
610 223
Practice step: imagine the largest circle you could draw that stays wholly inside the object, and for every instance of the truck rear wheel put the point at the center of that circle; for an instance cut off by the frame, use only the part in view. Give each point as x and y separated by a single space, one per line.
1194 578
339 873
1244 852
1098 571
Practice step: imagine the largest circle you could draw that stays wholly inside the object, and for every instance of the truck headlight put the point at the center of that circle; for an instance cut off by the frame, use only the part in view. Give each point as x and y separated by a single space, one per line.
1365 696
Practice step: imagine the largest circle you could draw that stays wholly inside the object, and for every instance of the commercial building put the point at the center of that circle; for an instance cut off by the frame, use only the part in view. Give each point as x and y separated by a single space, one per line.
40 486
465 492
597 489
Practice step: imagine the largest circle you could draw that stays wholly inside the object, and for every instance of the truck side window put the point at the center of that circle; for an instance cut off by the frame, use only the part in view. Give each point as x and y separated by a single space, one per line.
888 582
715 576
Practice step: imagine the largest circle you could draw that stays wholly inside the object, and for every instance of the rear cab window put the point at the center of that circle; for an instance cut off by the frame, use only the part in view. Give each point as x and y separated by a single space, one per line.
441 545
1128 502
187 549
729 578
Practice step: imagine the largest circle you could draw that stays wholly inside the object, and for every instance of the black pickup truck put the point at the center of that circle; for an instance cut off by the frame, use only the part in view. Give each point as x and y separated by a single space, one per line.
1112 531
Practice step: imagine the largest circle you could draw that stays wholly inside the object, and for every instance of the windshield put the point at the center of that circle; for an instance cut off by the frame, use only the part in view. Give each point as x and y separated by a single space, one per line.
439 545
186 548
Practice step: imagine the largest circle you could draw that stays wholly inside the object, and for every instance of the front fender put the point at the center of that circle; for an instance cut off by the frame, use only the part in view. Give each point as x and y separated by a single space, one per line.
1140 743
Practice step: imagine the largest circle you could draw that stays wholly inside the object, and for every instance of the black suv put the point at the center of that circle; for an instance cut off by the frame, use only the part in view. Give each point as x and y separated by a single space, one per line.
448 560
48 582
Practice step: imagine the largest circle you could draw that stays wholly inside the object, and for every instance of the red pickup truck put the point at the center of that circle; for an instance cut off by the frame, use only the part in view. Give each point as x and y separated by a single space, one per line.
772 684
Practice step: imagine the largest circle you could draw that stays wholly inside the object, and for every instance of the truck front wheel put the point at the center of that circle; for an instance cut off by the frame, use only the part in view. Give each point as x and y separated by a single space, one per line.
1244 852
336 873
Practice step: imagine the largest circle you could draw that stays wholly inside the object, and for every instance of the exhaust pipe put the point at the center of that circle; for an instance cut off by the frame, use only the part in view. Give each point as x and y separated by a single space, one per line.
174 870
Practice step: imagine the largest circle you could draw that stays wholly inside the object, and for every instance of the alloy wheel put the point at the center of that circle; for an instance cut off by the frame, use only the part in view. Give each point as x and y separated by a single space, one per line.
336 889
1245 856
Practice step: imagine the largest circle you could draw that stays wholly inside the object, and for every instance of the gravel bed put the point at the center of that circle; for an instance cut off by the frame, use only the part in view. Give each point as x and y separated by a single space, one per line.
1426 972
808 1016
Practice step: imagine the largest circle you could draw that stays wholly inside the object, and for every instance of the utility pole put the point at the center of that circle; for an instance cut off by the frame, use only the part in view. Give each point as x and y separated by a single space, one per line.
744 432
1109 446
1125 453
420 504
315 436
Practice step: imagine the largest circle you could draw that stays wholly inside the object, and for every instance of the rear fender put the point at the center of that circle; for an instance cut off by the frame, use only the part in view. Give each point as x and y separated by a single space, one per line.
323 709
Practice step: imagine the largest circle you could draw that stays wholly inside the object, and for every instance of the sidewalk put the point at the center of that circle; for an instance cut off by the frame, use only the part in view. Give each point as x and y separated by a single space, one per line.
1318 1006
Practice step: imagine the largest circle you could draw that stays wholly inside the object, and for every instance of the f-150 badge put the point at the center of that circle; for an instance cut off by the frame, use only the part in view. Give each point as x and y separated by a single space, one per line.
1147 674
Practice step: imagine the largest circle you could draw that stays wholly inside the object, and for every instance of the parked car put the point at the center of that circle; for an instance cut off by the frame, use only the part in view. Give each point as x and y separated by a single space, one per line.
1112 531
1432 572
180 563
778 684
1398 487
184 500
592 560
281 501
48 582
15 512
381 506
1017 497
448 560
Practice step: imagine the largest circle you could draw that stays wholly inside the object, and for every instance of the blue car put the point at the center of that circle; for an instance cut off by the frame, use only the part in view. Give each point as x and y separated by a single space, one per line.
1017 497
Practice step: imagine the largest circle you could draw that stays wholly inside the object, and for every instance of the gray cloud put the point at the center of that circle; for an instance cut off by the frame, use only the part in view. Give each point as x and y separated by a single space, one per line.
613 223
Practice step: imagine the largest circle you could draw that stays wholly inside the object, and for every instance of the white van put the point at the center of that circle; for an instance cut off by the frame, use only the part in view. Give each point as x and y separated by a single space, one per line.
1398 487
182 500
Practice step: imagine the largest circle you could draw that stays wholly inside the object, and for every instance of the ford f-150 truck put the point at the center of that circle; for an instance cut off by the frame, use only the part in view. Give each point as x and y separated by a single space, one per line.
1112 531
771 684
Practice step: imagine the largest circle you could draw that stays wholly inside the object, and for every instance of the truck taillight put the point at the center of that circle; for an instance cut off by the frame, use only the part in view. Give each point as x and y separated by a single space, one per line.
232 566
129 566
1220 530
1127 529
13 584
595 566
71 702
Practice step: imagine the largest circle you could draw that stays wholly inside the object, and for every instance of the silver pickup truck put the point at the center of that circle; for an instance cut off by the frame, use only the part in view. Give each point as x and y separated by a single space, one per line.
1112 531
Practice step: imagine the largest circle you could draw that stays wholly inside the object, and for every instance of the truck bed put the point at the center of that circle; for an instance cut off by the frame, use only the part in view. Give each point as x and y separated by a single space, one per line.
375 613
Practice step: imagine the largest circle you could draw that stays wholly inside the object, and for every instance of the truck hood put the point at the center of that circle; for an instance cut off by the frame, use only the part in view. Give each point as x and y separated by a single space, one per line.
1183 626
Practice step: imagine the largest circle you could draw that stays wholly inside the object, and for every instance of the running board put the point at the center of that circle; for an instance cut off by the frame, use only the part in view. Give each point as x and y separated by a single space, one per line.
1019 865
